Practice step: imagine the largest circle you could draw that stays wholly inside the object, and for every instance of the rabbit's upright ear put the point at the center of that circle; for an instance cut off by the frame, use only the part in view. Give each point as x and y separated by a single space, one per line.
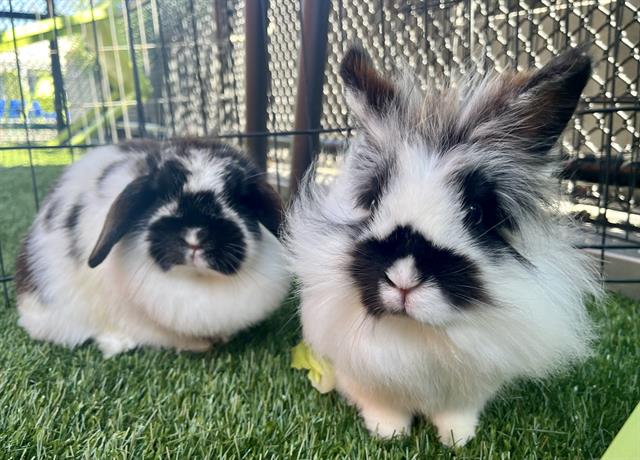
530 110
133 201
363 81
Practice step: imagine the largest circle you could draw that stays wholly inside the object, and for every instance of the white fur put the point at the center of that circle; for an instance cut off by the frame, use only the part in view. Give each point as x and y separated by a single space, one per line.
128 301
436 361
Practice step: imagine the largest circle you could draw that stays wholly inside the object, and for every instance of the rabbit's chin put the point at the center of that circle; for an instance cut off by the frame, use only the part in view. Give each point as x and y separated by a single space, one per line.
393 366
198 270
198 267
426 305
199 301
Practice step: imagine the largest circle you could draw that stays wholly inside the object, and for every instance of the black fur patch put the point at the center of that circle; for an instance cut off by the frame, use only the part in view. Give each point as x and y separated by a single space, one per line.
234 174
369 193
166 245
222 240
106 172
51 213
169 179
150 163
224 246
457 276
71 225
249 194
136 203
162 178
485 217
246 187
480 201
237 191
25 278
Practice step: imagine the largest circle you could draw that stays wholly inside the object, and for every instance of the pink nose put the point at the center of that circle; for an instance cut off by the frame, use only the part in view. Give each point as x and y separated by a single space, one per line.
404 292
194 250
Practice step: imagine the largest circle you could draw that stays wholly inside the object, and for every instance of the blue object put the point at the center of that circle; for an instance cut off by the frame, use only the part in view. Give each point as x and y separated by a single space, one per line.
15 108
36 109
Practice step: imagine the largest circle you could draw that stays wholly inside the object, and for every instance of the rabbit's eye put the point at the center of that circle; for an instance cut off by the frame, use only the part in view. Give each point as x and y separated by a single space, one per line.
373 204
474 212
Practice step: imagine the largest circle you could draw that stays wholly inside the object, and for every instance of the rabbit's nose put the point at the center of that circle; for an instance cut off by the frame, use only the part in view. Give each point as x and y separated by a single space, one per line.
195 251
404 292
191 238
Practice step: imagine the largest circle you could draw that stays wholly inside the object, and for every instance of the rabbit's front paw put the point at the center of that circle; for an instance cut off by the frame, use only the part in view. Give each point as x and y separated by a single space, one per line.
194 345
455 428
114 344
385 422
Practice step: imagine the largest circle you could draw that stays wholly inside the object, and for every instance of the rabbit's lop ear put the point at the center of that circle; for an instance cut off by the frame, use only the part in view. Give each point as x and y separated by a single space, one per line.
365 84
133 201
268 206
530 110
259 199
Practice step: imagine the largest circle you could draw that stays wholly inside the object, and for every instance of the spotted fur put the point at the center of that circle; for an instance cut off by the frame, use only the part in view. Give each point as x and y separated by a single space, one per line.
151 243
435 269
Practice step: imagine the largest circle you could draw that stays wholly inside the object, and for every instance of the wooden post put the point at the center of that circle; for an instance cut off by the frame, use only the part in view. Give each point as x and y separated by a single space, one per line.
311 67
256 74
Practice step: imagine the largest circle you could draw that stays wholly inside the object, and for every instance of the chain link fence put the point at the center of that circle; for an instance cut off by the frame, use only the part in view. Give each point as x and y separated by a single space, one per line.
78 73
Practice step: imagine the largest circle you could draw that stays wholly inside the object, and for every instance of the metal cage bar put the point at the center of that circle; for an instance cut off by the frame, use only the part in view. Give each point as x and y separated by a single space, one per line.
256 79
313 49
265 75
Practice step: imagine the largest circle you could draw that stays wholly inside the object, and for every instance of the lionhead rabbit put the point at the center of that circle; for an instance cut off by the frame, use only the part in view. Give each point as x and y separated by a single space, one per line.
433 271
168 244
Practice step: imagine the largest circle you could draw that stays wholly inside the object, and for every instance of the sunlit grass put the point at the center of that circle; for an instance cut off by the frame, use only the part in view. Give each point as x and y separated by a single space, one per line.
37 157
242 400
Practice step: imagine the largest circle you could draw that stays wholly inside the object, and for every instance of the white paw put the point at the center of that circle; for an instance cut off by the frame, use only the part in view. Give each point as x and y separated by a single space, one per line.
221 339
194 345
455 428
386 425
113 344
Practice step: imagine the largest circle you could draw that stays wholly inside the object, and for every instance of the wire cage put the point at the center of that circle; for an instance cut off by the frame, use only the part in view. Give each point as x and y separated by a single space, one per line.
264 75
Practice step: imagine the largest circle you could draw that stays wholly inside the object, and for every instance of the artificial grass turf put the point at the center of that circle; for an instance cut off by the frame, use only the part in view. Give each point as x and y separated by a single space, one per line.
242 400
17 208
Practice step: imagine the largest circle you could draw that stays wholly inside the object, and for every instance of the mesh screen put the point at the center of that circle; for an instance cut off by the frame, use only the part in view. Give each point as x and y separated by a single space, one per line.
116 69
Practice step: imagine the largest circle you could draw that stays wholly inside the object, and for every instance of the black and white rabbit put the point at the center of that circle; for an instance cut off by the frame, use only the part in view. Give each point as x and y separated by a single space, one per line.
168 244
434 270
